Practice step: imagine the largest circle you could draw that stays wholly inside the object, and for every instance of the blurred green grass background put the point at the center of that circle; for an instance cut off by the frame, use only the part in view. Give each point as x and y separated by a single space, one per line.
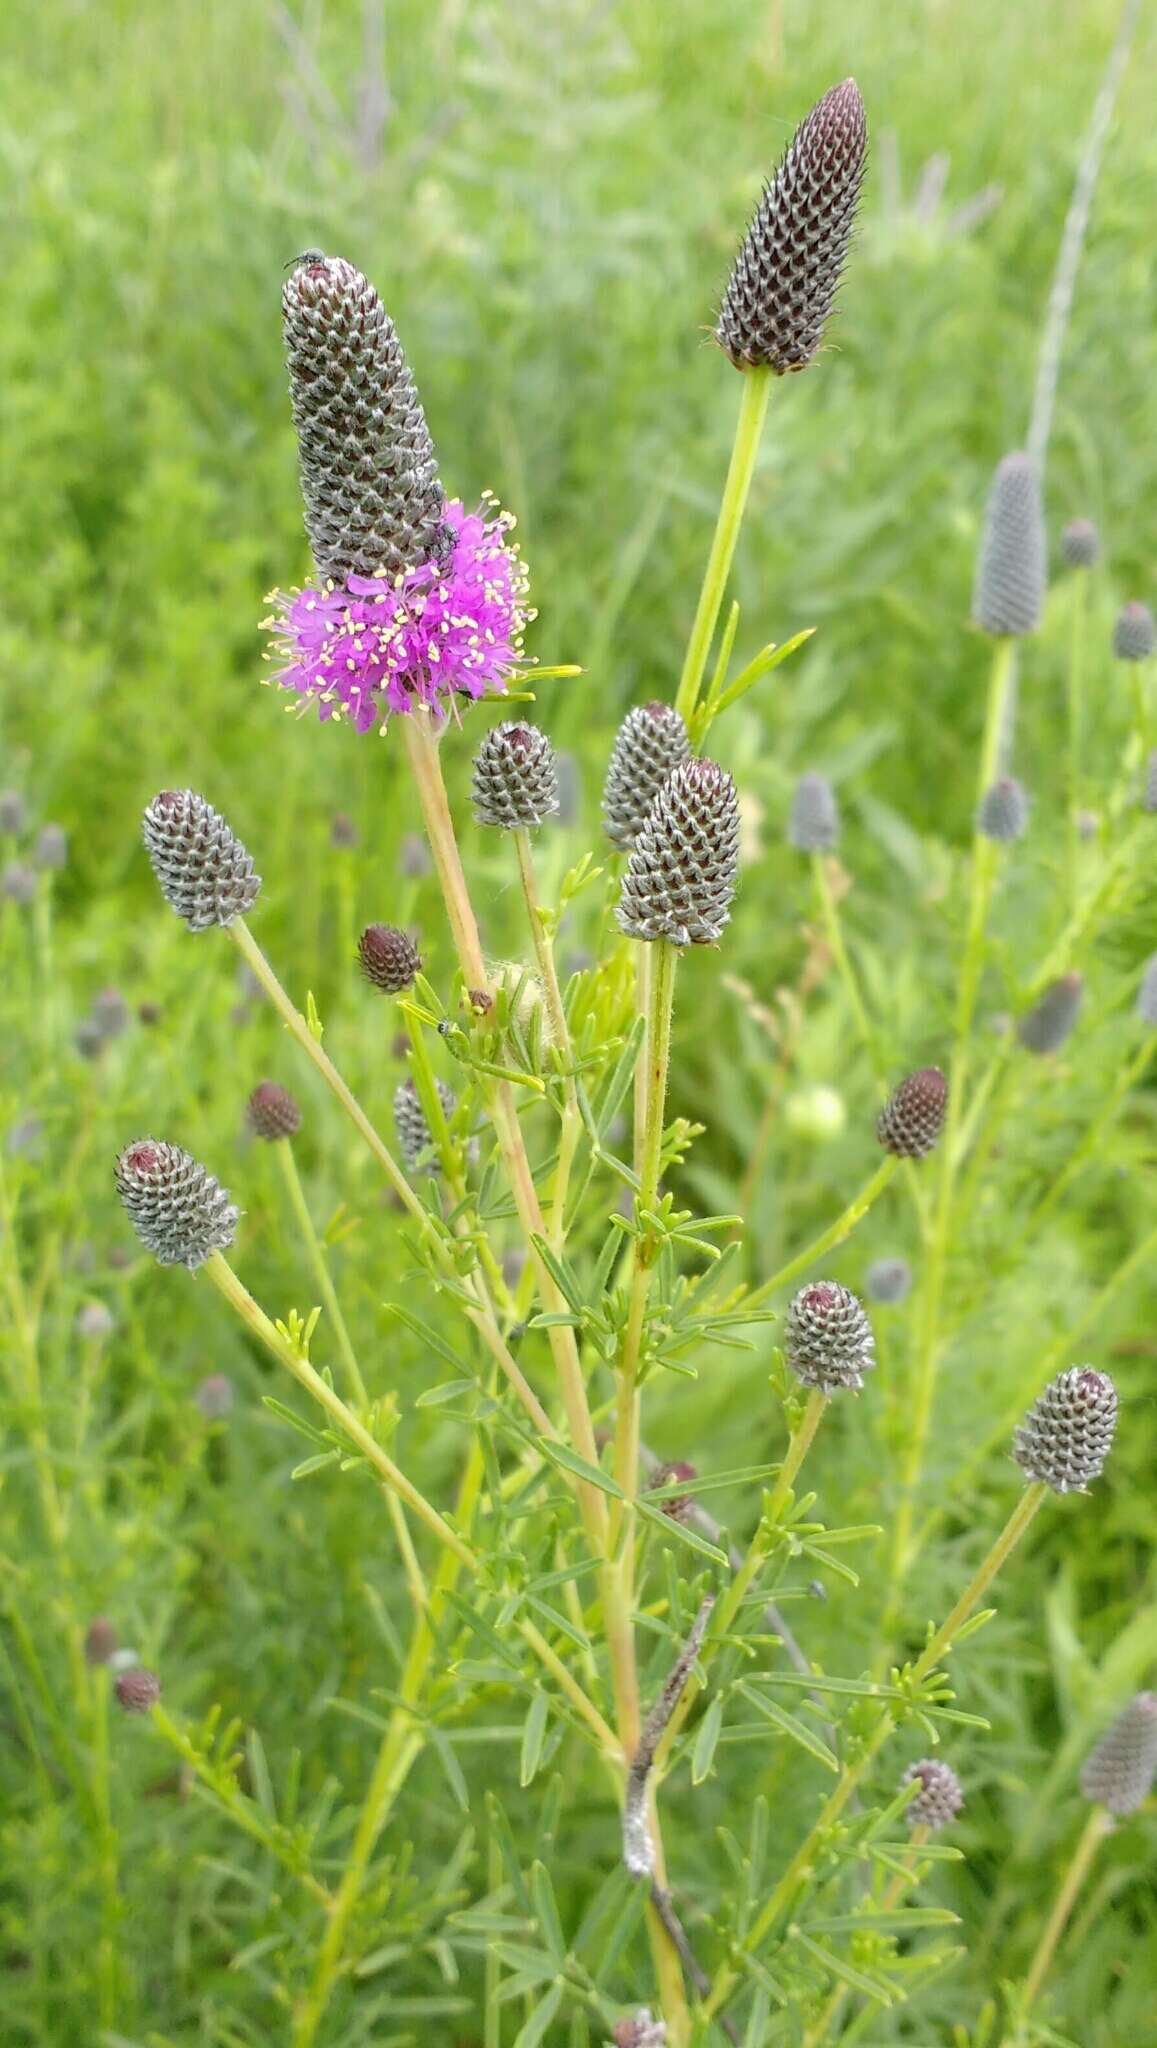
548 197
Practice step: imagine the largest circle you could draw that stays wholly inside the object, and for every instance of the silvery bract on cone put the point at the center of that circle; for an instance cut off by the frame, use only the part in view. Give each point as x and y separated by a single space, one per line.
1046 1027
515 783
888 1281
388 958
414 1134
940 1797
272 1113
369 477
1003 811
912 1119
177 1208
1120 1772
205 874
1008 596
1147 993
680 878
814 822
1134 633
1068 1432
137 1690
650 744
1080 544
827 1338
787 272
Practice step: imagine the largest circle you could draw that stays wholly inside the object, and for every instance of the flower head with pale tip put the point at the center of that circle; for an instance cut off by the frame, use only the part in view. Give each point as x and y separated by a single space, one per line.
431 636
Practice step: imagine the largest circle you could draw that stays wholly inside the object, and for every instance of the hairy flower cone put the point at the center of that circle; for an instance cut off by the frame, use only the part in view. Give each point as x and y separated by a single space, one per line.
680 878
1080 544
888 1281
1003 811
388 958
204 872
1049 1023
1134 633
515 782
414 1135
1147 993
137 1690
787 272
1120 1772
940 1797
373 500
912 1119
178 1210
650 744
827 1338
271 1112
1068 1432
1008 596
813 825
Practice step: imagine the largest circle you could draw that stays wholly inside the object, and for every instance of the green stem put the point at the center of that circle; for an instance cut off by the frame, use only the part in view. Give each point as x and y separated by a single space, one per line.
854 1770
106 1854
900 1883
749 427
1076 691
758 1552
1098 1825
321 1272
835 1234
237 1295
560 1034
833 932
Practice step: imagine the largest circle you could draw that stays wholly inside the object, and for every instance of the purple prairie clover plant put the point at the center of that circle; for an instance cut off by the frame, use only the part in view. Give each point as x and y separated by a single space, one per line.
429 637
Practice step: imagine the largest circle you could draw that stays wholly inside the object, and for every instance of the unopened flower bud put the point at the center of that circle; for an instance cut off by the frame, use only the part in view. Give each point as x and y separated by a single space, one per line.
51 847
1134 633
1003 811
414 1134
18 882
100 1640
679 1505
388 958
827 1338
204 872
1048 1025
214 1396
138 1690
813 825
179 1211
650 744
271 1112
888 1281
681 875
1068 1432
515 783
911 1121
1008 596
940 1797
1120 1772
786 275
110 1013
1080 544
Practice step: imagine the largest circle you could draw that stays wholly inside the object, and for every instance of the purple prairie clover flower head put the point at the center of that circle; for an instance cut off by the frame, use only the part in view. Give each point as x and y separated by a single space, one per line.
18 882
827 1338
1002 813
204 872
414 1134
430 636
179 1211
1134 632
388 958
910 1123
214 1397
940 1797
1120 1772
51 847
788 270
1068 1432
272 1113
650 744
813 824
515 781
101 1640
679 1506
13 813
137 1690
1149 789
1080 544
680 879
641 2030
1049 1024
1147 993
1009 590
